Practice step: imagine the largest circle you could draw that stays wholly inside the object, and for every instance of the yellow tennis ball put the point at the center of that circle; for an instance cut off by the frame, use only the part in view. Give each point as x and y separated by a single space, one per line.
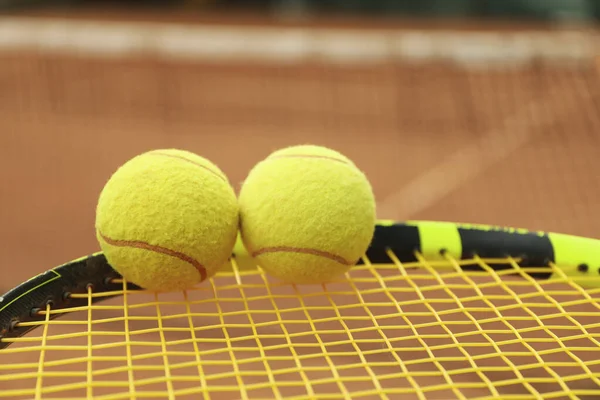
167 219
307 214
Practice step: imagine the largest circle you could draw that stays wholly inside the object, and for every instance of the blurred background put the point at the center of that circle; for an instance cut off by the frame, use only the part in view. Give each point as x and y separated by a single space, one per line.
481 111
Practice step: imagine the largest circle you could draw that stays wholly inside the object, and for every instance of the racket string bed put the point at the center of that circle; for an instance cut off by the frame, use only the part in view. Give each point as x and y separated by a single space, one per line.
422 329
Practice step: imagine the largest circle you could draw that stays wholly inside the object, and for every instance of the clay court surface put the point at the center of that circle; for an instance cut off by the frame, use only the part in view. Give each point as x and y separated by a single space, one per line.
525 139
510 146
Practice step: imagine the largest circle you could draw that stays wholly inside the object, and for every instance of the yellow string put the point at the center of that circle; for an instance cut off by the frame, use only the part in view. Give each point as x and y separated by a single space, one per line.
230 350
260 348
190 321
288 340
89 372
424 330
128 343
40 376
323 349
163 343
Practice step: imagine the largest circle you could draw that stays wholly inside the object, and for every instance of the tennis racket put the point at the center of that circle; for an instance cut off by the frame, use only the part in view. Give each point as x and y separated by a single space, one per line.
434 310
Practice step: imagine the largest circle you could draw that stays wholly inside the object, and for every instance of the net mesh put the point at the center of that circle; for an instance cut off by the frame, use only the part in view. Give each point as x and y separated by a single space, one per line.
427 330
464 131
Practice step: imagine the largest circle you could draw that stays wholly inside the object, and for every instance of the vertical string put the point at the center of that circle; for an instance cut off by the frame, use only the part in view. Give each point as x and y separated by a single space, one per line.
90 366
40 371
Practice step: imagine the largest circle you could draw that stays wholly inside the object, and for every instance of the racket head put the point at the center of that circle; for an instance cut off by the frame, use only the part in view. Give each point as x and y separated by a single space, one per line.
434 310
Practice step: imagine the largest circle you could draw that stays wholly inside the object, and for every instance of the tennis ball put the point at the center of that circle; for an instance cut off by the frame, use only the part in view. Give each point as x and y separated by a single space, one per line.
167 219
307 214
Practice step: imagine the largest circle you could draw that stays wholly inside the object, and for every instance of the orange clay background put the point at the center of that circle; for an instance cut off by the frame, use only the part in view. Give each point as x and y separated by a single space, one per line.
67 123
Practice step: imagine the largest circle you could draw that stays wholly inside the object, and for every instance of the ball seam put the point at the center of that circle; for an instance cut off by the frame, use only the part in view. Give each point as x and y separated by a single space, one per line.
178 157
275 157
138 244
302 250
